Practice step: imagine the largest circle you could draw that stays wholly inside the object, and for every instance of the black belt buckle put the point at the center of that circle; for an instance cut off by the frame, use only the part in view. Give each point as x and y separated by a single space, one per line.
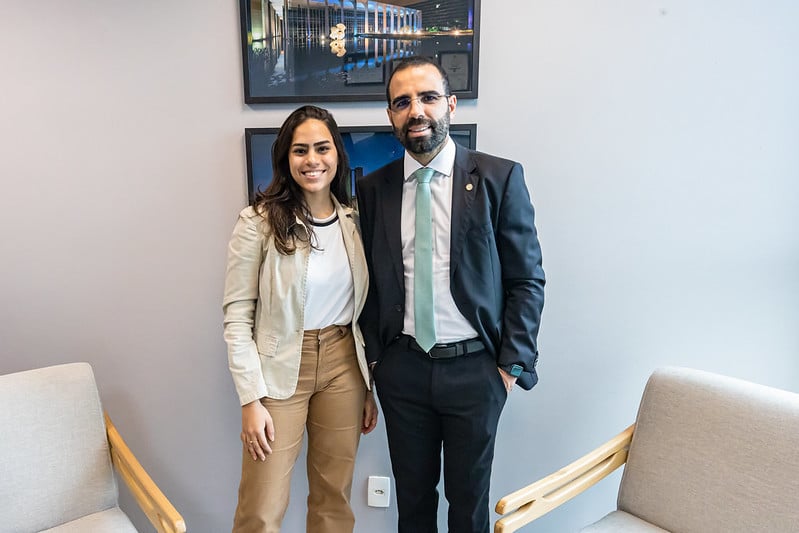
444 351
455 349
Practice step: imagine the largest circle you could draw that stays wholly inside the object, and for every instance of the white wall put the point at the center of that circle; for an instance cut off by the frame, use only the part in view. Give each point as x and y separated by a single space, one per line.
660 144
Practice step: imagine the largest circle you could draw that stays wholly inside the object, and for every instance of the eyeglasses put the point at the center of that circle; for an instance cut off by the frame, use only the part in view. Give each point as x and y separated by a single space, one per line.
402 103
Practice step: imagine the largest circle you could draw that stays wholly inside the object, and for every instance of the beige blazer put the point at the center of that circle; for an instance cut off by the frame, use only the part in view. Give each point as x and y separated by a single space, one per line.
264 301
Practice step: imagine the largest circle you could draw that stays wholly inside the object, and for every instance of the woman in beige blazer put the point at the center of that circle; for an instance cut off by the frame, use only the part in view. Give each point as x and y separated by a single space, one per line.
295 286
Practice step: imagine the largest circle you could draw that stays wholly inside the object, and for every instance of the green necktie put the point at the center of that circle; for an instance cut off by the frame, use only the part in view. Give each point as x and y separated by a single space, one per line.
423 263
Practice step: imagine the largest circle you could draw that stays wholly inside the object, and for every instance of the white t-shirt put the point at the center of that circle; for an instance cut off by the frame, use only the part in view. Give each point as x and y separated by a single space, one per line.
329 288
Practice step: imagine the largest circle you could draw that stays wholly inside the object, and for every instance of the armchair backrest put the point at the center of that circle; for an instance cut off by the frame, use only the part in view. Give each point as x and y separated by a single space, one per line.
713 454
54 460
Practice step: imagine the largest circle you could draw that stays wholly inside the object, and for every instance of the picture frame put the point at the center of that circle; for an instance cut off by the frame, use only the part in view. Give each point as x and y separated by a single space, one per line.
368 148
344 50
457 65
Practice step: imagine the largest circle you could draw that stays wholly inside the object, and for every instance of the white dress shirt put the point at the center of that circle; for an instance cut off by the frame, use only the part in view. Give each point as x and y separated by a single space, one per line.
451 325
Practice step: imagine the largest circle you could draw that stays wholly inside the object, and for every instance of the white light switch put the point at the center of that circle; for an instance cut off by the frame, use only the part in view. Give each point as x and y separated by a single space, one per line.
379 491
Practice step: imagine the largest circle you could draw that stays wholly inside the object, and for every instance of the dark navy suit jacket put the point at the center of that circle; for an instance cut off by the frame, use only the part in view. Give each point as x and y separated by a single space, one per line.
496 277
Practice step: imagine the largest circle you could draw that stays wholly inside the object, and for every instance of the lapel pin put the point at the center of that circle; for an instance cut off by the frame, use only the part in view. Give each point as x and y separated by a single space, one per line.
469 186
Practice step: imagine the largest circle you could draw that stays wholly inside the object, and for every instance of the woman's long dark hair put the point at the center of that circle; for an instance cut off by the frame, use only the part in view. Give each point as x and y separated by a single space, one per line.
282 203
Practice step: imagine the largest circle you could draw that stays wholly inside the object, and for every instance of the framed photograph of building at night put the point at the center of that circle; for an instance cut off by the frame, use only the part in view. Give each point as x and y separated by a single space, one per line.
342 50
368 148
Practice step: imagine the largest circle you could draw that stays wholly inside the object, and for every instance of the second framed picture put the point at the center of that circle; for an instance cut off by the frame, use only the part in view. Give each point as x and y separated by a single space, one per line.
368 148
342 50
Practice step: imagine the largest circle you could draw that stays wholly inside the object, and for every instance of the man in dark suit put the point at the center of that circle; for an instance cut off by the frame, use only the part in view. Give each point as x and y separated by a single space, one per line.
455 299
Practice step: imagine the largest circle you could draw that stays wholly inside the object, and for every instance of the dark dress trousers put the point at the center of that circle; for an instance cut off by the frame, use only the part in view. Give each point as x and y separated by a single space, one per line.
497 283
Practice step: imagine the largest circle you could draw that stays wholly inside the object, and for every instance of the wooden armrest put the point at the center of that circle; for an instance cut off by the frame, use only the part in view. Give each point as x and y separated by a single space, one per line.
537 499
152 501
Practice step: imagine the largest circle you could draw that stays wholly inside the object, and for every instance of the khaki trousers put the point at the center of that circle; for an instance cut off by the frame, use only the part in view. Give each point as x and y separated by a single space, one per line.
328 403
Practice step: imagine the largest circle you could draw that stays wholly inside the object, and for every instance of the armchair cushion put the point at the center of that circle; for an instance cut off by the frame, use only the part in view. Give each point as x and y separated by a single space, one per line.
713 454
621 522
54 462
111 520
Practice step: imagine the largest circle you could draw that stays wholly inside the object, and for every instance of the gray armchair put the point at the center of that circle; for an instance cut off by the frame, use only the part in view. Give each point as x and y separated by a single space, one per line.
707 454
56 456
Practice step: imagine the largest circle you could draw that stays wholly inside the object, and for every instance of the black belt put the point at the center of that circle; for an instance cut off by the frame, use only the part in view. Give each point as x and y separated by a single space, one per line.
448 351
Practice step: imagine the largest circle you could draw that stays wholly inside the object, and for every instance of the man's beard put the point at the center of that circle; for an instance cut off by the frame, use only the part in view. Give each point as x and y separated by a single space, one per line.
439 129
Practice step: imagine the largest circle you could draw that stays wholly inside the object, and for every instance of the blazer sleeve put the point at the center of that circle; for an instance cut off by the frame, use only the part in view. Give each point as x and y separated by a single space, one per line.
245 257
522 278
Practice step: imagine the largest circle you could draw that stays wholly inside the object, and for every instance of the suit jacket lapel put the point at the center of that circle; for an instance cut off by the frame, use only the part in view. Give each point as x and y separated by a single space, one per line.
465 182
392 214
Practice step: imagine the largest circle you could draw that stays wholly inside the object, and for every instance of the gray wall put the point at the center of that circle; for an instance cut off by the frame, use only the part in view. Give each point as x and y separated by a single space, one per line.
660 144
